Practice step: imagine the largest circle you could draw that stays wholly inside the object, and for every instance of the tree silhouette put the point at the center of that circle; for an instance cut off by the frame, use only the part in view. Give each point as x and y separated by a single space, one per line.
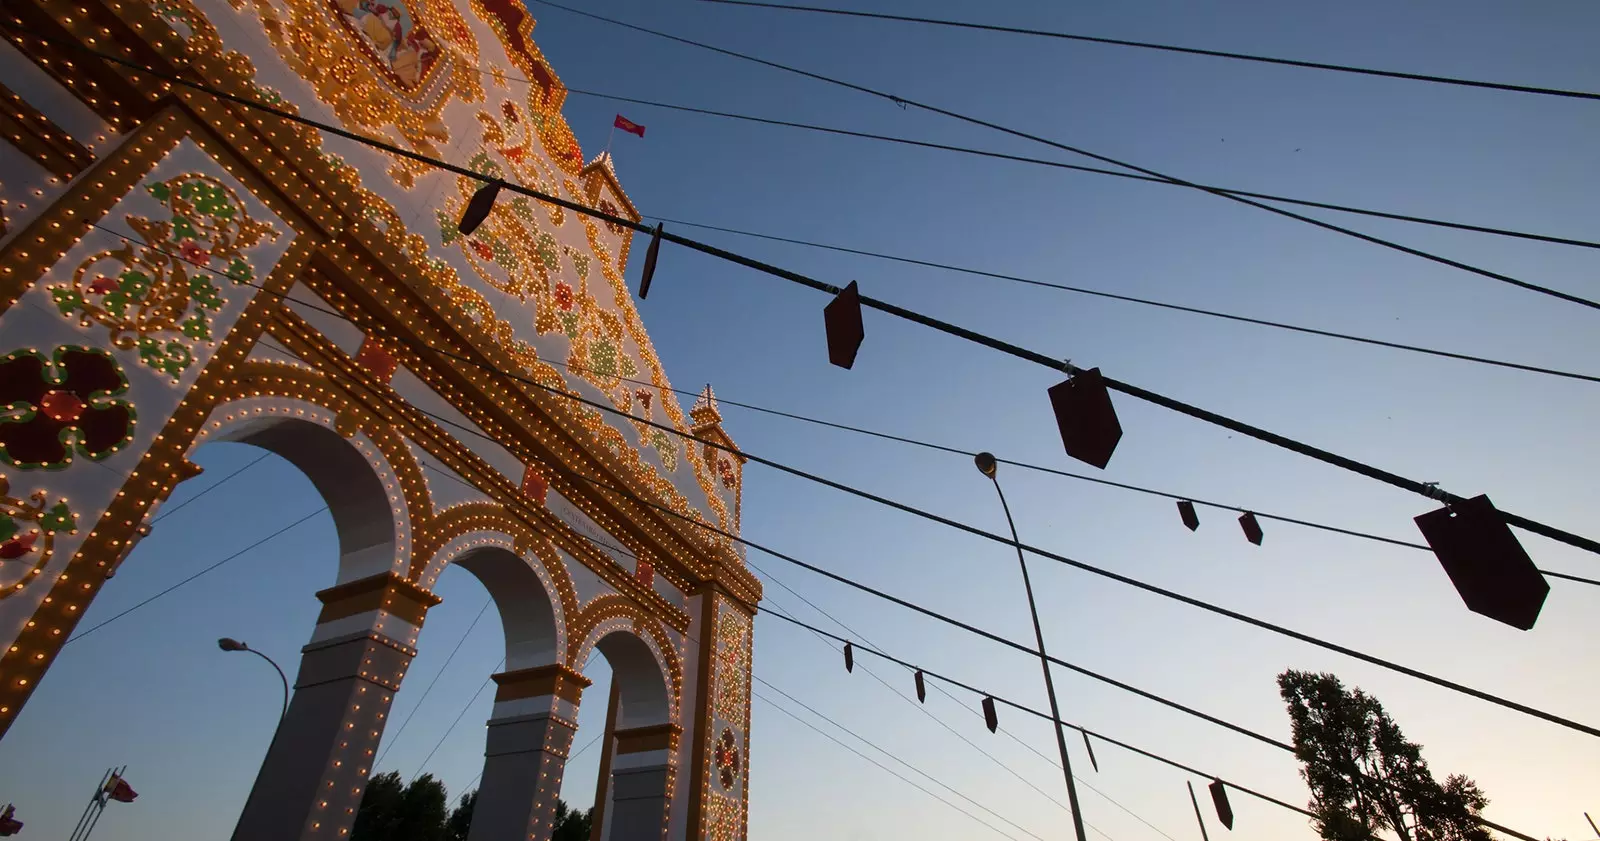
392 810
1365 776
461 818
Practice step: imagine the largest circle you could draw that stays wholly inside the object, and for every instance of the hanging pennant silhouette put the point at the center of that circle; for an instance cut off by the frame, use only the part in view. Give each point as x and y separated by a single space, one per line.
478 208
1252 529
1084 415
1488 567
1090 748
1186 511
1219 798
849 658
990 717
922 690
842 319
650 262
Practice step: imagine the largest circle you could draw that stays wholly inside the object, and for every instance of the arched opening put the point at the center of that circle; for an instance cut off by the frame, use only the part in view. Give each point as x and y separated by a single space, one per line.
359 499
634 763
641 686
527 612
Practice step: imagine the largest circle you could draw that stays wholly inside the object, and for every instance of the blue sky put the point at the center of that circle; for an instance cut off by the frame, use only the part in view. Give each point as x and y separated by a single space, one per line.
152 690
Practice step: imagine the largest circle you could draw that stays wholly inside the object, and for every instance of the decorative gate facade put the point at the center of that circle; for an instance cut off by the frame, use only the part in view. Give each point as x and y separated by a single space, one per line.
177 269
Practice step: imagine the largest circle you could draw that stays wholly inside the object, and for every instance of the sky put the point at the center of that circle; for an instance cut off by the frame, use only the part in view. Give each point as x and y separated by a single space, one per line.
152 690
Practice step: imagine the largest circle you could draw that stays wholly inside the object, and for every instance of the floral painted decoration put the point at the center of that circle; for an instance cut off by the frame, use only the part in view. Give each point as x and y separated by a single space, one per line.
28 529
159 295
727 758
41 415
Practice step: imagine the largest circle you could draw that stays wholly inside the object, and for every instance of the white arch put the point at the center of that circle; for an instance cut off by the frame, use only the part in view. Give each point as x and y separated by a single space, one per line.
352 475
524 593
639 670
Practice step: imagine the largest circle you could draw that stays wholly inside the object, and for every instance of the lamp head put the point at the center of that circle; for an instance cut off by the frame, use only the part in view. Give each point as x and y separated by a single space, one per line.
227 644
987 464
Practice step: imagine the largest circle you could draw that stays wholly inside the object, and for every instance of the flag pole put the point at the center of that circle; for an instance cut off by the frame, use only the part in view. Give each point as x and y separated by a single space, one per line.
96 822
93 801
609 135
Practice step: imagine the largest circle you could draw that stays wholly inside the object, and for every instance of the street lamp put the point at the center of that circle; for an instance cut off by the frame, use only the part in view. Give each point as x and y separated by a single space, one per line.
988 465
227 644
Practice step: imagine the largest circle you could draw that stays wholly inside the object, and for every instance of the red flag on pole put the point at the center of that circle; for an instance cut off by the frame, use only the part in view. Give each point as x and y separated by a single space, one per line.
628 125
118 789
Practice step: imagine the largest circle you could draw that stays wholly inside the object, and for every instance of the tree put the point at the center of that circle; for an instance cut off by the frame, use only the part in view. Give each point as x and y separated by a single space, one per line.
1365 776
461 819
571 824
393 811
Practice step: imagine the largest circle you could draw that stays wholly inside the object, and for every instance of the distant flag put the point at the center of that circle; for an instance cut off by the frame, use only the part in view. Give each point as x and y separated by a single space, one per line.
9 825
628 125
118 789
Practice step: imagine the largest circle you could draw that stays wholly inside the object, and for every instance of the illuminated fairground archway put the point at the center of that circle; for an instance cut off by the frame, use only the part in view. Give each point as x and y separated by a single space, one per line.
176 270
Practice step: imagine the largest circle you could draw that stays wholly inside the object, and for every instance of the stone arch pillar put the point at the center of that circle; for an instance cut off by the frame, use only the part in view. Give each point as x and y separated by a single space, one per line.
311 782
525 753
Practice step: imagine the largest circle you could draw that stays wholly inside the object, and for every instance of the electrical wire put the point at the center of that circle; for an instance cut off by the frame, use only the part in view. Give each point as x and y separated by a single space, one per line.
1167 305
208 489
723 401
945 112
258 543
1060 723
881 766
985 153
431 683
1119 42
1430 490
923 708
909 509
819 631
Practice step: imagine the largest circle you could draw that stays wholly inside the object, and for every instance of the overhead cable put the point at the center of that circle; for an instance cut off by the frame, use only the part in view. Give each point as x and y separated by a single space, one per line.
417 346
945 112
1430 490
966 150
1120 42
1027 281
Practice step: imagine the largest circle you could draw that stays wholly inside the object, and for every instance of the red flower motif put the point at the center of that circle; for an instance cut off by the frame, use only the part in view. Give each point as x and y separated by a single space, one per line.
563 296
103 285
725 468
194 253
18 546
644 398
510 110
44 414
484 251
726 756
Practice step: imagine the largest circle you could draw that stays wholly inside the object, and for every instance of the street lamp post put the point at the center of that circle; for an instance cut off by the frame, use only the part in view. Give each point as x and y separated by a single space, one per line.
989 466
227 644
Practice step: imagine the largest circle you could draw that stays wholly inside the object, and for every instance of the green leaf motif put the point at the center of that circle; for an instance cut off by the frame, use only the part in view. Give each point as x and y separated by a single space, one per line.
547 251
134 283
59 518
67 300
116 303
205 293
240 270
603 358
182 228
195 327
161 192
628 368
8 527
448 232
